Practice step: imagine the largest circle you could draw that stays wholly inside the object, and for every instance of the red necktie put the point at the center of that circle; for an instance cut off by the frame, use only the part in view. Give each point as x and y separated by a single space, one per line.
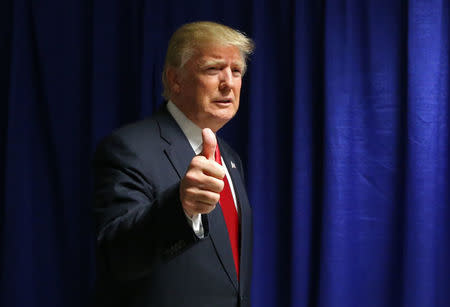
230 214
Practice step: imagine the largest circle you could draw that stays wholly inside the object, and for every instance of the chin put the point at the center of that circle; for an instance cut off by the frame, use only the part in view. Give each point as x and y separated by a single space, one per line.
224 117
218 121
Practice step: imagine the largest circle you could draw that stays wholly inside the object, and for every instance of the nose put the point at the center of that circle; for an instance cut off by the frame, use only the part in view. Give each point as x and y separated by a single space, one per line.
226 79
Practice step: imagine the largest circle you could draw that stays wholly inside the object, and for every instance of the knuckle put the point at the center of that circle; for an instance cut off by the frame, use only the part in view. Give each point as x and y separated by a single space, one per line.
220 171
193 165
197 161
189 194
221 185
217 185
191 177
215 198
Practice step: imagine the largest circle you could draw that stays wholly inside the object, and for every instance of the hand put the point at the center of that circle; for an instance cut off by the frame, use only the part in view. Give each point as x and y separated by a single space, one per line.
201 186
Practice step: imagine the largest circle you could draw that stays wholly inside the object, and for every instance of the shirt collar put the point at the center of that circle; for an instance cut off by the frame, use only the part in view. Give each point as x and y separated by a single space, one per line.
192 132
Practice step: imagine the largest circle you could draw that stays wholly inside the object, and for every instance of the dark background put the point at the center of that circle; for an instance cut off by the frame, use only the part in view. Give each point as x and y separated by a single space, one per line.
343 128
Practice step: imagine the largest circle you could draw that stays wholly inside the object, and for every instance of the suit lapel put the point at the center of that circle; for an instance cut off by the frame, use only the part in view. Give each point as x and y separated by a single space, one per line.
219 236
245 219
177 149
246 231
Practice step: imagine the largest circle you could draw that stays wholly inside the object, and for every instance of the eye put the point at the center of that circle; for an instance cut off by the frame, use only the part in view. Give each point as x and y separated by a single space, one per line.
212 69
237 71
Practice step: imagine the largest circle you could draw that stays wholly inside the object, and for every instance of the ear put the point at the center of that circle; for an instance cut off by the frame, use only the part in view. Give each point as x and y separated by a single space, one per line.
173 79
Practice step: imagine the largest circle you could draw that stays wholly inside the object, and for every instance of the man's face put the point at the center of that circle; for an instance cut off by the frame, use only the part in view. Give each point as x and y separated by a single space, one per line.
207 88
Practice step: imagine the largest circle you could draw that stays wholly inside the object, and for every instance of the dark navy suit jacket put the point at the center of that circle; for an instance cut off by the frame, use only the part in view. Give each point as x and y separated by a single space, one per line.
147 253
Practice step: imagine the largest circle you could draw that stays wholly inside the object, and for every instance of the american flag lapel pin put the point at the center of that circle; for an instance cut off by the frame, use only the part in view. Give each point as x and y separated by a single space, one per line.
232 164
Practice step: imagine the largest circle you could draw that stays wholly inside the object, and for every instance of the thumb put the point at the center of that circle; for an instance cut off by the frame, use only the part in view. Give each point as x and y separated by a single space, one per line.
209 144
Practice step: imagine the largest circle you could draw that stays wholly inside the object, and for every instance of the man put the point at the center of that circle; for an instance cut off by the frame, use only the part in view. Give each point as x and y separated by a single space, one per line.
173 220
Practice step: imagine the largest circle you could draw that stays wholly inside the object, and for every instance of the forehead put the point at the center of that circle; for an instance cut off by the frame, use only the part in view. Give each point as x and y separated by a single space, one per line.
218 53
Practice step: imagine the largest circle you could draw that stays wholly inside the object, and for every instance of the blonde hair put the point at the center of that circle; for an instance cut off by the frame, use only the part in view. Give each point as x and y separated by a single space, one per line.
189 37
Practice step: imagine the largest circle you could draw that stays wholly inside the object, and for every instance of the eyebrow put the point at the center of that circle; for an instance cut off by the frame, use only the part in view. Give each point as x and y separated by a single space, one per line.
214 62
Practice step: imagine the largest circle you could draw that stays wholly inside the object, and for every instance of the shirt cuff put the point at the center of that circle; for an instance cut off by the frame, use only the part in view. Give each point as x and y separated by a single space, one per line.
196 223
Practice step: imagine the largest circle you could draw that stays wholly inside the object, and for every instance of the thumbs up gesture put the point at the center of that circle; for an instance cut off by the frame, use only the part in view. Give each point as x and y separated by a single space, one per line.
209 144
201 186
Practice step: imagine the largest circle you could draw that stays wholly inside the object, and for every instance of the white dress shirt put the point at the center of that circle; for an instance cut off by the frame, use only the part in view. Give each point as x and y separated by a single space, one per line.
194 135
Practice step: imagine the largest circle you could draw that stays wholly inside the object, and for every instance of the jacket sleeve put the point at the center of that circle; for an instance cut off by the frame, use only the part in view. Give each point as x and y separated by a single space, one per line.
136 226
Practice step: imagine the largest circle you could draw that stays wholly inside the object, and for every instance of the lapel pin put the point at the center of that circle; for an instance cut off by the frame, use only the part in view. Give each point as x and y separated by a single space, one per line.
232 164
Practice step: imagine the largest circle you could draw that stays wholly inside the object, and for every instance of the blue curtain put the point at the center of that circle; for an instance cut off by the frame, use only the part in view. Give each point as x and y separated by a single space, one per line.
344 129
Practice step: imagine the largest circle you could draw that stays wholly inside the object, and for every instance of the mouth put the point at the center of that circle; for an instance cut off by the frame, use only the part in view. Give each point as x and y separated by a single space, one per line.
223 101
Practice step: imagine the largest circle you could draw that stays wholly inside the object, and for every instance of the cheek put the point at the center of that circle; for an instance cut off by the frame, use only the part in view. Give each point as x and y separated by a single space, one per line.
206 87
188 88
237 91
